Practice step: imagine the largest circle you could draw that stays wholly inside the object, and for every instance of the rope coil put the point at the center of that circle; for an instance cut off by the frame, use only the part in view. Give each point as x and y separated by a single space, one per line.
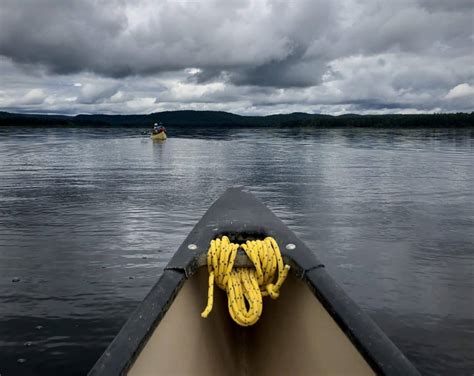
244 286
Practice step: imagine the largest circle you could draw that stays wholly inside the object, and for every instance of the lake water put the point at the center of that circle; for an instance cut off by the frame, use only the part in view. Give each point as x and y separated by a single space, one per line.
90 217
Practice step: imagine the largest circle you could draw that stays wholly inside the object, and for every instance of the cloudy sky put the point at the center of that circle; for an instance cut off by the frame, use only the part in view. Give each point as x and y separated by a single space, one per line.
243 56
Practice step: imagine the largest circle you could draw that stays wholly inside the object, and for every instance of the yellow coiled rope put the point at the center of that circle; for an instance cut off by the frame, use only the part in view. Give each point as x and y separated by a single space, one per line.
245 287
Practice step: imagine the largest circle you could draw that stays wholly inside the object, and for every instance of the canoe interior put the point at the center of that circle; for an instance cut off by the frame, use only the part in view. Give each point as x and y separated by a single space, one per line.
295 335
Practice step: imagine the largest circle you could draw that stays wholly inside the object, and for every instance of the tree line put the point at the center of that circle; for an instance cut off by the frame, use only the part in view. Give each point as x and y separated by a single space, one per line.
225 119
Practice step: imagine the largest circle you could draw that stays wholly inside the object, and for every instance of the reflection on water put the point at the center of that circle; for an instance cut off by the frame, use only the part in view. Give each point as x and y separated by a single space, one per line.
89 218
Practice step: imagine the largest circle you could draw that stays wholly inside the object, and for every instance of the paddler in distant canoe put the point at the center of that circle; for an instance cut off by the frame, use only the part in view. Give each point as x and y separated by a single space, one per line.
158 132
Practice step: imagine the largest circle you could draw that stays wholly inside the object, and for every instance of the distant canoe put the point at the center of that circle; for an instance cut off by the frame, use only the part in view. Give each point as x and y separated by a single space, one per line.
313 328
159 136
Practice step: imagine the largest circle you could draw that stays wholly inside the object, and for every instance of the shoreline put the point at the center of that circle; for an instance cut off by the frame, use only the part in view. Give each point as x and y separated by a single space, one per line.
219 120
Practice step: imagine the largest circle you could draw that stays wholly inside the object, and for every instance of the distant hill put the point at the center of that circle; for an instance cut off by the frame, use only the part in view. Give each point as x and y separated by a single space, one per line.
226 119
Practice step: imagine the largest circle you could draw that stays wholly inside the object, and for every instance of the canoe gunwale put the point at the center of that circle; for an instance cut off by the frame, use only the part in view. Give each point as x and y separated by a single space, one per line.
239 211
125 347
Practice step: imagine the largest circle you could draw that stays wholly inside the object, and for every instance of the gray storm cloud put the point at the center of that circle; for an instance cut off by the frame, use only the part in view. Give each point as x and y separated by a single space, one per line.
113 39
353 54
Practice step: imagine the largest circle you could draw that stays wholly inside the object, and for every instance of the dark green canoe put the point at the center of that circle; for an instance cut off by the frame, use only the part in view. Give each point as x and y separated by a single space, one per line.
313 328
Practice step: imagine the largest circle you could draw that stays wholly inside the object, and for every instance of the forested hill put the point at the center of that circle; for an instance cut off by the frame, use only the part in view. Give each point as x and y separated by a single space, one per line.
226 119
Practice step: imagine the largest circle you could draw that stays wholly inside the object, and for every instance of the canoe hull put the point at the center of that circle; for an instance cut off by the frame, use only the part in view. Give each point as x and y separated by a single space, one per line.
312 328
159 136
272 347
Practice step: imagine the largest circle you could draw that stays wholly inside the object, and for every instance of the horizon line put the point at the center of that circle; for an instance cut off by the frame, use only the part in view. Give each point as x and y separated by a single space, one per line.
226 112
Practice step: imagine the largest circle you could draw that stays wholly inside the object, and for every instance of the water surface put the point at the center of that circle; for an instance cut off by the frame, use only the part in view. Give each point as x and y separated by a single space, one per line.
90 217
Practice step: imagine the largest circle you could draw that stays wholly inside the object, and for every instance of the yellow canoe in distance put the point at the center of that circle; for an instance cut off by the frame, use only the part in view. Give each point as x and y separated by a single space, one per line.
158 137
